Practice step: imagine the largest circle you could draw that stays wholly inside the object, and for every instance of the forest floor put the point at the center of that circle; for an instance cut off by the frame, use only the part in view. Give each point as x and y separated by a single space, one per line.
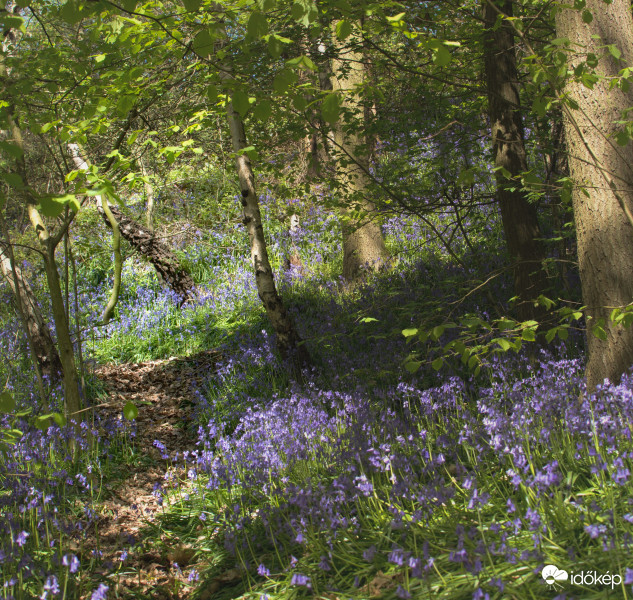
161 391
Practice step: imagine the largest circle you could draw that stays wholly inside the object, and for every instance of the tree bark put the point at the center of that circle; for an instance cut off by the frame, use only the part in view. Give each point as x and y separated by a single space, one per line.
363 242
518 215
161 257
604 230
38 332
289 342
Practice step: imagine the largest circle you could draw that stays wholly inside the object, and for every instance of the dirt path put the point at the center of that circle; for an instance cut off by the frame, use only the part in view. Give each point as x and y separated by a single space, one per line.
161 390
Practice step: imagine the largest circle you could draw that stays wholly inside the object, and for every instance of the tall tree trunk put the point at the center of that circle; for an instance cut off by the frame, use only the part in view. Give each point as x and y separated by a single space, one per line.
289 343
363 242
37 329
518 215
604 227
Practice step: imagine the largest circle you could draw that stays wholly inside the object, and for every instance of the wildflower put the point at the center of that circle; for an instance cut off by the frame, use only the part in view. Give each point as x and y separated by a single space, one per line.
193 576
300 579
50 585
71 561
324 565
369 554
263 571
628 576
21 539
402 593
100 593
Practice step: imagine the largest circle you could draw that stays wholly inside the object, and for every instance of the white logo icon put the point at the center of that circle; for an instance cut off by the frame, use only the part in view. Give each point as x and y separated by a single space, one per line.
553 575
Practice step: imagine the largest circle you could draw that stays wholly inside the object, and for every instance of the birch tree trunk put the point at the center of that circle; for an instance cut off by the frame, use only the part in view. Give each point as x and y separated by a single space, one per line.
519 217
604 226
363 242
289 343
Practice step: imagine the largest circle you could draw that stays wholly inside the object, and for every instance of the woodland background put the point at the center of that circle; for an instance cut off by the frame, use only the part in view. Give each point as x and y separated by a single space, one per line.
316 299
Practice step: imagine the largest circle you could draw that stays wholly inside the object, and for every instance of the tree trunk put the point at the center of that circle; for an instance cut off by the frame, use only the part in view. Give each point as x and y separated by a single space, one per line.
363 242
161 257
149 197
604 229
37 329
518 215
289 343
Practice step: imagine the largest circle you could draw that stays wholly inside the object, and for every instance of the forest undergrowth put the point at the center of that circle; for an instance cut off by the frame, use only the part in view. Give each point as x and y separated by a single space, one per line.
362 481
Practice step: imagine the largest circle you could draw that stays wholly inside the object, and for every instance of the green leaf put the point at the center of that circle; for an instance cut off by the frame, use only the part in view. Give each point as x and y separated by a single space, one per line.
71 12
125 104
299 102
437 332
13 179
599 332
614 51
130 412
368 320
240 102
275 47
203 43
192 5
441 56
437 363
212 93
622 137
397 18
550 335
11 149
563 333
505 324
129 5
59 419
330 109
297 10
301 62
262 110
10 21
43 421
343 30
587 17
412 366
257 26
7 402
528 335
503 343
409 332
283 80
51 206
